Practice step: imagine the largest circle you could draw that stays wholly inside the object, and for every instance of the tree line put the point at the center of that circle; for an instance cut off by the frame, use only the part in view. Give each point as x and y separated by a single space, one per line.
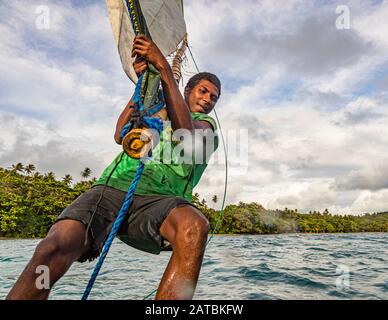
30 202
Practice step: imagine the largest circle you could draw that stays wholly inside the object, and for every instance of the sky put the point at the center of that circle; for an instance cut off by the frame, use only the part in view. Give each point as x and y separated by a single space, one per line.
304 102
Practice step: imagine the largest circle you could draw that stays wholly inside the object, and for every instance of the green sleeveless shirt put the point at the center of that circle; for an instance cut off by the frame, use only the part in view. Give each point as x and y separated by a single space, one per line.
160 177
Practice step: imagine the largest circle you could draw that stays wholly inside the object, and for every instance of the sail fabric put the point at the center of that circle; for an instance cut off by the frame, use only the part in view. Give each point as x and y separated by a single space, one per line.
165 23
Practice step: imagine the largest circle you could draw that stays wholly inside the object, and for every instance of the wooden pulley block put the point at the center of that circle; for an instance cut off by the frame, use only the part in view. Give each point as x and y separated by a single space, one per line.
137 143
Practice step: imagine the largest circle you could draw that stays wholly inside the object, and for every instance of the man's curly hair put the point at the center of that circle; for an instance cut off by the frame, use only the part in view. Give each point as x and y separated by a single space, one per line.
194 80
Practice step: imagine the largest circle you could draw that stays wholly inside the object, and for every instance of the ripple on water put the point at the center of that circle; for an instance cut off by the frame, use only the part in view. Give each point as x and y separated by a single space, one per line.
259 296
383 286
6 259
235 267
266 274
317 249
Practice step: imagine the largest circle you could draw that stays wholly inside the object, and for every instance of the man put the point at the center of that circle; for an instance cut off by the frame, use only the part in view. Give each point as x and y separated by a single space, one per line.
161 215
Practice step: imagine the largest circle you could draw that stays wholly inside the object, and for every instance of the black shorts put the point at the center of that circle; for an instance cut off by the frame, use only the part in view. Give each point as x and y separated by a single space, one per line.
140 228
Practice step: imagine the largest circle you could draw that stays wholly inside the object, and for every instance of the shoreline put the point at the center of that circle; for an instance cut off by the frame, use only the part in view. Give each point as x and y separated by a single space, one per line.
246 234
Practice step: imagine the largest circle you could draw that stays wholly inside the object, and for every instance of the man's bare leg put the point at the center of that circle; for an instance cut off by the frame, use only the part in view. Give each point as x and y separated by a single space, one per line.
186 229
62 246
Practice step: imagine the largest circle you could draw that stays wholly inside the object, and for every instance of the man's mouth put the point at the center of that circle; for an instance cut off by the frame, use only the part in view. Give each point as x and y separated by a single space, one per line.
202 107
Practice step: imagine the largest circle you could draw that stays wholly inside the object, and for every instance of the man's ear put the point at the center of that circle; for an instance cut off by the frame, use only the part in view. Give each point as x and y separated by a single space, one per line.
186 93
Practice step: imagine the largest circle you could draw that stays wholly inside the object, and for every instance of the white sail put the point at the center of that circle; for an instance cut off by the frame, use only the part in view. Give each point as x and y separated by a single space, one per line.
164 20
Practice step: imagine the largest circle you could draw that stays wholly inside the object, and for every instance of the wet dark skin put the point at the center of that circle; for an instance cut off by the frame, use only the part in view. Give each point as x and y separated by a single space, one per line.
185 227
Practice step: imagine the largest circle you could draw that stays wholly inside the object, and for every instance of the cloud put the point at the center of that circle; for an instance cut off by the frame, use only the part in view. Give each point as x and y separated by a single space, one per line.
304 196
70 70
368 178
55 156
371 22
315 48
46 148
294 142
371 202
300 39
361 111
62 89
313 98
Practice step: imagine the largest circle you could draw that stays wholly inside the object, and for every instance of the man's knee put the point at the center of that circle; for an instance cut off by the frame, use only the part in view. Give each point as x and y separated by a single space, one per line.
47 249
62 241
193 228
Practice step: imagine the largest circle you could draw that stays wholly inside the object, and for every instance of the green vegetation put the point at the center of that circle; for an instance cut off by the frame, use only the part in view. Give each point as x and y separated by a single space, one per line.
31 201
252 218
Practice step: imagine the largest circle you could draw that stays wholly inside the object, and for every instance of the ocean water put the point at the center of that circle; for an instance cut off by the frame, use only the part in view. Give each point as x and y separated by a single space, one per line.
297 266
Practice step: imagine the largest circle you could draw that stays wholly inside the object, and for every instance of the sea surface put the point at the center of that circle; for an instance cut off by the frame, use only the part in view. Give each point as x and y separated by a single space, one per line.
295 266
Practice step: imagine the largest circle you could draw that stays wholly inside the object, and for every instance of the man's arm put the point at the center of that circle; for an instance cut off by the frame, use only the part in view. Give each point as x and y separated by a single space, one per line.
200 124
178 110
139 65
123 120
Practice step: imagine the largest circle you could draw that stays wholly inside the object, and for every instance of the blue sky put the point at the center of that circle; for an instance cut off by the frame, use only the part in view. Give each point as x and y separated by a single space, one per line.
313 98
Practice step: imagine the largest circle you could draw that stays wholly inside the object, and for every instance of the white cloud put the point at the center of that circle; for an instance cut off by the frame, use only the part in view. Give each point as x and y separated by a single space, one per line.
294 144
317 137
372 177
372 23
36 142
371 202
57 103
305 196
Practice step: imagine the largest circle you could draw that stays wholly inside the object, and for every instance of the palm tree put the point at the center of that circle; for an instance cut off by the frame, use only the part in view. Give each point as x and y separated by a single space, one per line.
195 198
67 179
17 167
50 175
86 173
215 199
37 175
30 168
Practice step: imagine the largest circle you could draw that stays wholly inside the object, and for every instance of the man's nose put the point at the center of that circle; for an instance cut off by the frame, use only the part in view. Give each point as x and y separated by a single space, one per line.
206 98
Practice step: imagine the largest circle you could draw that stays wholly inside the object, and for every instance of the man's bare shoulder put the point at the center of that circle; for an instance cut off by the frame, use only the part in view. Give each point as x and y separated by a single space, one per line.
202 124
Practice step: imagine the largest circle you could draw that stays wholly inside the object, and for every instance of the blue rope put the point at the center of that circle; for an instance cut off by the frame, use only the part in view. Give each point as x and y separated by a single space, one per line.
147 121
123 211
136 101
126 204
152 123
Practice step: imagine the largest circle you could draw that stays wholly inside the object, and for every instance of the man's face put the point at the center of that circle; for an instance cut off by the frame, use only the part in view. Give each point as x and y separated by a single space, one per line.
203 97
